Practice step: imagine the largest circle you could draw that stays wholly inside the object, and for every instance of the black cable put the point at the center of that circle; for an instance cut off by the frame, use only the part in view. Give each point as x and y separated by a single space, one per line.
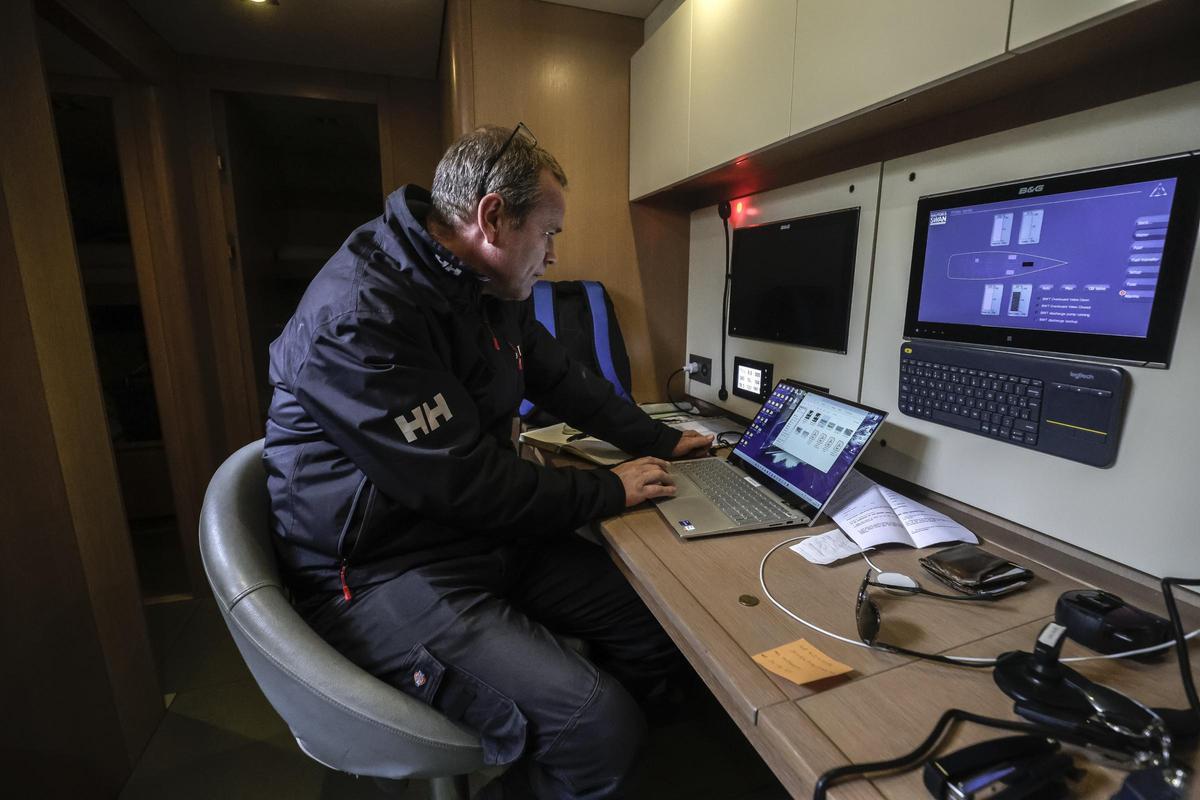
908 760
722 434
672 400
1181 646
723 210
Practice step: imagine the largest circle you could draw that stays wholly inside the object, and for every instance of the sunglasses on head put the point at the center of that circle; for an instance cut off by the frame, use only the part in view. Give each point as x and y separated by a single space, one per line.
491 162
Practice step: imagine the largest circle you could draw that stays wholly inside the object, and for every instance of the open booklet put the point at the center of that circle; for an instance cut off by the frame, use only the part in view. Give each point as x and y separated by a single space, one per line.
872 515
562 438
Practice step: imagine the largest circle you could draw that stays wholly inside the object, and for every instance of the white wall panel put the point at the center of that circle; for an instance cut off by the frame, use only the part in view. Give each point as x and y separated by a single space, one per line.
1141 511
840 372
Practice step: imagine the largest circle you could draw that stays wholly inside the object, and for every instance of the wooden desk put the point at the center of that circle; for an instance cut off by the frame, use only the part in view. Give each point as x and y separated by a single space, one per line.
889 703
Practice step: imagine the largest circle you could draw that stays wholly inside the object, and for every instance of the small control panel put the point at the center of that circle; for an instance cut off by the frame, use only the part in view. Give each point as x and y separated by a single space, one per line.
1070 409
752 379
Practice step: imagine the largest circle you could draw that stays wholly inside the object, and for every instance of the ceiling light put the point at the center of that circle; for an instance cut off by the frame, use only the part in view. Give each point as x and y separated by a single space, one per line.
264 2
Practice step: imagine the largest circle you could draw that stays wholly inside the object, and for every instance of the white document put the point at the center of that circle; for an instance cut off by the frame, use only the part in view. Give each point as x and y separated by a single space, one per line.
826 548
872 515
707 426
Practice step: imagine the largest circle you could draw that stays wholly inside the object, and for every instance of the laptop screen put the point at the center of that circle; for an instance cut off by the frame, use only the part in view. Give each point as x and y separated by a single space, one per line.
806 441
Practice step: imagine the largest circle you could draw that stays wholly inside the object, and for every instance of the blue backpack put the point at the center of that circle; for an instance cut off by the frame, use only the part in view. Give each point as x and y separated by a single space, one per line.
580 315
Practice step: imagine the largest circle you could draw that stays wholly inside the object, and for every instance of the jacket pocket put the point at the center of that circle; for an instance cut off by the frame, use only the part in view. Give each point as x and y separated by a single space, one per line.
464 698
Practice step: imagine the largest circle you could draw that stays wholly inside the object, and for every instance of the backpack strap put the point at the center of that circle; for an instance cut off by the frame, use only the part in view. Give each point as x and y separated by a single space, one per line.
543 311
543 305
600 337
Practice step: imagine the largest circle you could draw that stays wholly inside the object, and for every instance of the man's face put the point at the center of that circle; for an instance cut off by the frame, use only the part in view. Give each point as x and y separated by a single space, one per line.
527 252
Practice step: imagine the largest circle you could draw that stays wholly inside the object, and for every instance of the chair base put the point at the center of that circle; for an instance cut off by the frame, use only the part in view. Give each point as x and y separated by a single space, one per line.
451 788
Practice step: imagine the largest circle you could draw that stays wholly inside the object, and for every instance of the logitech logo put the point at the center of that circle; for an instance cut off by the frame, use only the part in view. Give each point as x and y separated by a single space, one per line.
1031 189
1083 376
425 418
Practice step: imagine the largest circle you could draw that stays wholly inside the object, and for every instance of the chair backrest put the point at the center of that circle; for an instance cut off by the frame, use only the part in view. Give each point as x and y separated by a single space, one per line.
580 315
339 714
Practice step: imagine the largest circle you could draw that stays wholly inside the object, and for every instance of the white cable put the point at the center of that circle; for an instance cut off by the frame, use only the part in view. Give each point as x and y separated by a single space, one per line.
763 583
857 643
871 563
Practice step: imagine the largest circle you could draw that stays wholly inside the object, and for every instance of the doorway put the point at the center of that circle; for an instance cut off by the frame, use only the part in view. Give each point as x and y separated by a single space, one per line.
299 175
92 173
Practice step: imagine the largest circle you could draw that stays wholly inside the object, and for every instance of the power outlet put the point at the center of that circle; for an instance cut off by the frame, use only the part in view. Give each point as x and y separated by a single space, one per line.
704 374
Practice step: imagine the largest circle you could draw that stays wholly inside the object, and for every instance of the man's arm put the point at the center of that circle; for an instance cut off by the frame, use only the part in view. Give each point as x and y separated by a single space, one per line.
561 385
380 393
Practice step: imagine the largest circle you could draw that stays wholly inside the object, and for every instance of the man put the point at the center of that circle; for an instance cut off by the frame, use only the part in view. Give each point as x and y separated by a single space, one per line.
412 535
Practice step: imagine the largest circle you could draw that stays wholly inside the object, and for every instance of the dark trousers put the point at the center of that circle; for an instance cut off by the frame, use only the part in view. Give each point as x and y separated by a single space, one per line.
472 637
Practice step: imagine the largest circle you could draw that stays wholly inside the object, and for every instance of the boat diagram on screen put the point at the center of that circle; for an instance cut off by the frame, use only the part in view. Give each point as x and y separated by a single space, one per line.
992 265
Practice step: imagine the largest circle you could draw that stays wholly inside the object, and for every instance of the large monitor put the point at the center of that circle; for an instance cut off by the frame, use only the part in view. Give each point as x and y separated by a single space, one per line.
1090 263
791 281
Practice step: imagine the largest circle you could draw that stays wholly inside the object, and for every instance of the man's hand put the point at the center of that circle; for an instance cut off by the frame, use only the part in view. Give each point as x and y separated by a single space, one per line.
692 445
643 479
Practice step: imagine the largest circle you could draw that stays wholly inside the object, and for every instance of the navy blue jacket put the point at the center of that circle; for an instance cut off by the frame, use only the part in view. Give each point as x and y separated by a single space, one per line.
388 441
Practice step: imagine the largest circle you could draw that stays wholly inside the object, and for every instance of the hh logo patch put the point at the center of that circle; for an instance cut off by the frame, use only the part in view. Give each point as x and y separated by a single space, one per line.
425 418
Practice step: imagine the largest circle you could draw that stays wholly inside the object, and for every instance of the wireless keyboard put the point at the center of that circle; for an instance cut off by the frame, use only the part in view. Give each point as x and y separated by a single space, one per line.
1069 409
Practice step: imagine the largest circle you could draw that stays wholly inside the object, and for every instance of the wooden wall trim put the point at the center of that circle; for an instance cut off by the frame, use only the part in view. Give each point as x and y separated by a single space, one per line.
222 278
46 260
456 71
113 31
318 83
155 231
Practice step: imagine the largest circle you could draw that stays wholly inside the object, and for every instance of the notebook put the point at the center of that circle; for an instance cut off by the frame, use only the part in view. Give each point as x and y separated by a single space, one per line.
785 469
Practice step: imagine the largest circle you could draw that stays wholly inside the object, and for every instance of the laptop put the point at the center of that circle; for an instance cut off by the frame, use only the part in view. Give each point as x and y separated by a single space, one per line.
785 469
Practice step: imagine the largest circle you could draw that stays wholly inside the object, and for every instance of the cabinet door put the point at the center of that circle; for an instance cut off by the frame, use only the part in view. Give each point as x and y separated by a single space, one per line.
741 78
855 54
1033 20
659 75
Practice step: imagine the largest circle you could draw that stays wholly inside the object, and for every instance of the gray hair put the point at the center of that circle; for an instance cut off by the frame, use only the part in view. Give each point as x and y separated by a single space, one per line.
463 169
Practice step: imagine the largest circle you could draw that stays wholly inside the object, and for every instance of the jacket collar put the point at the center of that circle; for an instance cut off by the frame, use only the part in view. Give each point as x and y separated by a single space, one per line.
407 240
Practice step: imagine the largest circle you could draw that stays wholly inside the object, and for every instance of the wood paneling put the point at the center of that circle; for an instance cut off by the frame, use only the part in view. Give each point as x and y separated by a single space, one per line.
226 329
410 133
70 466
456 71
116 34
409 140
182 392
565 73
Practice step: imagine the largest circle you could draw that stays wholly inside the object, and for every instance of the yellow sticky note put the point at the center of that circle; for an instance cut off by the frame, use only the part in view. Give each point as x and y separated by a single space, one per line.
800 662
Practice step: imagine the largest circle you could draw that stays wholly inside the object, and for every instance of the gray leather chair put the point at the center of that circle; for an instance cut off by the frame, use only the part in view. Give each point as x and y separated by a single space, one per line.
340 715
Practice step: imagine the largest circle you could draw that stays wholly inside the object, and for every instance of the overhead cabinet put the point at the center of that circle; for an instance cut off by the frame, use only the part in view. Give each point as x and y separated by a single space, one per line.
741 78
1036 20
857 54
659 98
722 79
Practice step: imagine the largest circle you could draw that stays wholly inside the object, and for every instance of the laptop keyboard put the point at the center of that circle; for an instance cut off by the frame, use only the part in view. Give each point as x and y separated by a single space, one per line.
732 493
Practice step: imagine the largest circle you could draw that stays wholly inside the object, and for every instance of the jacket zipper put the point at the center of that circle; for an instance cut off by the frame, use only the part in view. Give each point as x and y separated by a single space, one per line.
345 563
516 348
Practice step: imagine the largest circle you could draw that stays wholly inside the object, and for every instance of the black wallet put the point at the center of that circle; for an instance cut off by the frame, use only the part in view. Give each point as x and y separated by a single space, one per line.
973 570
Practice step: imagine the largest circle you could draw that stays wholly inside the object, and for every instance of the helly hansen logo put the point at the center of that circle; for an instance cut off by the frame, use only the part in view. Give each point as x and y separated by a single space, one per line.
426 418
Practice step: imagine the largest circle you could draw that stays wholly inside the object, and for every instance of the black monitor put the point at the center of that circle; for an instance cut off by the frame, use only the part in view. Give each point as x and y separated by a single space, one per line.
791 281
1091 263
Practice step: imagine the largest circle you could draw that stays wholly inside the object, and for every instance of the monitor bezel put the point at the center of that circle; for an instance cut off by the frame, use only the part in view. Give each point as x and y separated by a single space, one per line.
844 336
1153 349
